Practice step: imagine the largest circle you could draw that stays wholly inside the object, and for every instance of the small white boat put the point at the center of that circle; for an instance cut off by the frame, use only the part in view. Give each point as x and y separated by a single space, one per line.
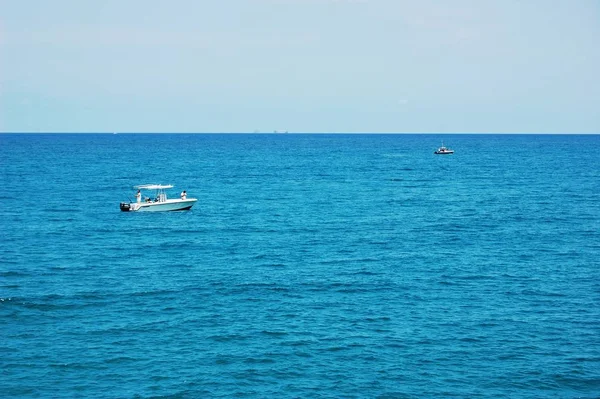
159 202
443 150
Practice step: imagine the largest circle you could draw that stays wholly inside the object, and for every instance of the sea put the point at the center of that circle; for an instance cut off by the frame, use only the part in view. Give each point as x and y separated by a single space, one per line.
312 266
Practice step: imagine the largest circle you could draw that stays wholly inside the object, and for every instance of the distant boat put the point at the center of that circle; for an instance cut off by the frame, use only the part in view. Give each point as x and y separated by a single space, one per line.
160 202
443 150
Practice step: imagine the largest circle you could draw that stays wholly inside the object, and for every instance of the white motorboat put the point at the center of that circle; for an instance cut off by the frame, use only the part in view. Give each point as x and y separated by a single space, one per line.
443 150
159 202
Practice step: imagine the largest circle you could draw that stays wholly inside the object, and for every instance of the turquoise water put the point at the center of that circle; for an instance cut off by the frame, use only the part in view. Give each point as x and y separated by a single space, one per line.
326 266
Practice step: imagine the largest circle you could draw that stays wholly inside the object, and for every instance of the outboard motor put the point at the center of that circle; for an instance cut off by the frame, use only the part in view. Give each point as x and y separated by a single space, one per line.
125 207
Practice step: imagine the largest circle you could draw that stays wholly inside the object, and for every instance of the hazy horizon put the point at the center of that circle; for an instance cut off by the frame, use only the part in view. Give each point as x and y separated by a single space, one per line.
302 66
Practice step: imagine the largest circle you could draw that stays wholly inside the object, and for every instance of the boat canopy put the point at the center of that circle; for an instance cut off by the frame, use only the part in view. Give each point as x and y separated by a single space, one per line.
153 187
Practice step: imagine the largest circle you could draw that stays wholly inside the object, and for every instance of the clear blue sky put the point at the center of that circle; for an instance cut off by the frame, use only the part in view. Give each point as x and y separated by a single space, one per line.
300 65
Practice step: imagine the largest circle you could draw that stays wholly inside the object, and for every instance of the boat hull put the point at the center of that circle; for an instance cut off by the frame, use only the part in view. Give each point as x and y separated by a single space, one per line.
165 206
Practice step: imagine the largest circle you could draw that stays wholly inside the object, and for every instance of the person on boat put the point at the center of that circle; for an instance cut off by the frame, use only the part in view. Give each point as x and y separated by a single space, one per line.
138 196
183 195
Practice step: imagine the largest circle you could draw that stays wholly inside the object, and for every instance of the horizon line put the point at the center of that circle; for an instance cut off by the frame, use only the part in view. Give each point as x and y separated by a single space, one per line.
317 133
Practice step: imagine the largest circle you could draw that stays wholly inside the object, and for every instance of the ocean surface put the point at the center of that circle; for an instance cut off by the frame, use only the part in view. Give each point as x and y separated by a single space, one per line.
312 266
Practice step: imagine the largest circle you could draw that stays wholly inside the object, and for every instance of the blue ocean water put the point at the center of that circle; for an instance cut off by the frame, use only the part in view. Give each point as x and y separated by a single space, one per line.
312 266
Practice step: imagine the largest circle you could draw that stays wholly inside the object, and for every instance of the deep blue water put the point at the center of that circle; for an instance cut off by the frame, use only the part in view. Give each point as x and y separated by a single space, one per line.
312 266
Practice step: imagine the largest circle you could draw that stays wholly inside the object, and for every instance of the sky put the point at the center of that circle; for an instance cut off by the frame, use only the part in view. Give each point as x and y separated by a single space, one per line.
385 66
